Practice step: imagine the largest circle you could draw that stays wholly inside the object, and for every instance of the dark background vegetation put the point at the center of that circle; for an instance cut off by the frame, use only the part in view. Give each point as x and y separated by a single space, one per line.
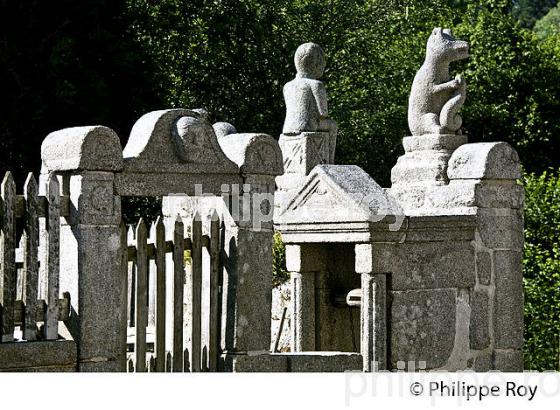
83 62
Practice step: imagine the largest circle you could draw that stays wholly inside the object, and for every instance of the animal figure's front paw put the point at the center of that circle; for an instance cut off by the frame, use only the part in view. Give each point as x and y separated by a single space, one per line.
459 80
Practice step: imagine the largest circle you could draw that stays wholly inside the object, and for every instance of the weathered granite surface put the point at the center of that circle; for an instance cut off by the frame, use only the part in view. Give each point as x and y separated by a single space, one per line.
435 99
306 95
95 148
309 135
40 356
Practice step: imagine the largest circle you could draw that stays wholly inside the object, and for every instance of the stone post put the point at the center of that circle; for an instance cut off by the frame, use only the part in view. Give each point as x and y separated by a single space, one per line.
373 316
86 158
490 172
253 297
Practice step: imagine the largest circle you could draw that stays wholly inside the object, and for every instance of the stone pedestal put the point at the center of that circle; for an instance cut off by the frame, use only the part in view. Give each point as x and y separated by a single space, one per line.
301 153
422 167
425 159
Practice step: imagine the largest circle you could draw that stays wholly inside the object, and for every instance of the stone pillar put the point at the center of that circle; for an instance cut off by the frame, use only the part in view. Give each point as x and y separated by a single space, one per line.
490 171
303 311
253 281
91 249
373 310
305 262
246 211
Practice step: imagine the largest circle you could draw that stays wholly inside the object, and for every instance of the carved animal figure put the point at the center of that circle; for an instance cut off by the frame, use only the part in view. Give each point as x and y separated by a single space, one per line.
435 99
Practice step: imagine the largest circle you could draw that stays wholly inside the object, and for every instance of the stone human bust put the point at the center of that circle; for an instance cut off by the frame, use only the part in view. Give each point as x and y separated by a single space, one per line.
306 95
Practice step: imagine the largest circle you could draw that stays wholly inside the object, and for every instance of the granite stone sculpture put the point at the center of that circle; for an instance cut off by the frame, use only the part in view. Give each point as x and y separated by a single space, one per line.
306 96
435 98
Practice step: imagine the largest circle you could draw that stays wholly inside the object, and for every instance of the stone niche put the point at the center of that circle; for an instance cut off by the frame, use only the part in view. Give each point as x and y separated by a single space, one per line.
336 209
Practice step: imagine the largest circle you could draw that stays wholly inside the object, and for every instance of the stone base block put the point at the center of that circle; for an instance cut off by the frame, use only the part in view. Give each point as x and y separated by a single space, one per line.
423 326
421 168
508 360
434 142
316 362
303 151
40 356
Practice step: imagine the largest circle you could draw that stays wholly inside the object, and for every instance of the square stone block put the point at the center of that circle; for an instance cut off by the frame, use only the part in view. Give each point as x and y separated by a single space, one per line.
321 362
480 312
262 363
499 194
247 295
508 300
484 267
306 257
501 229
431 265
302 152
482 362
101 293
93 199
423 326
508 361
44 354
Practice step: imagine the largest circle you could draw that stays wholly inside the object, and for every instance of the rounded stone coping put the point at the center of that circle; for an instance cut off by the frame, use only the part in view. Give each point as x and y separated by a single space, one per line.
486 160
254 153
435 142
93 148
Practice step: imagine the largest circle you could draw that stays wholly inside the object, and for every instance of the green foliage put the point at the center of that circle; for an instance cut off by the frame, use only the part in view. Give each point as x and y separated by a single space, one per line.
135 208
527 12
279 272
511 94
66 64
542 271
549 25
233 57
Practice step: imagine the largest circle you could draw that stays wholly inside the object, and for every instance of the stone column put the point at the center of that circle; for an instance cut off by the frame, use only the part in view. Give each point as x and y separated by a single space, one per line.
373 316
305 262
91 250
303 311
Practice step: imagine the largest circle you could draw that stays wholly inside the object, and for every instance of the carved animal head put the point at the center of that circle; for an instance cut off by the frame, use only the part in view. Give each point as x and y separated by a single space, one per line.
443 47
310 61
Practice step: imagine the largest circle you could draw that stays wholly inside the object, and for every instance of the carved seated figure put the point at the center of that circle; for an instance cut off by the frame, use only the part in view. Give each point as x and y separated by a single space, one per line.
435 98
306 98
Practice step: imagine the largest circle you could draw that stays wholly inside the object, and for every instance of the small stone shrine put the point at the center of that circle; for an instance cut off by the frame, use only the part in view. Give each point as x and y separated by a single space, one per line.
437 256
